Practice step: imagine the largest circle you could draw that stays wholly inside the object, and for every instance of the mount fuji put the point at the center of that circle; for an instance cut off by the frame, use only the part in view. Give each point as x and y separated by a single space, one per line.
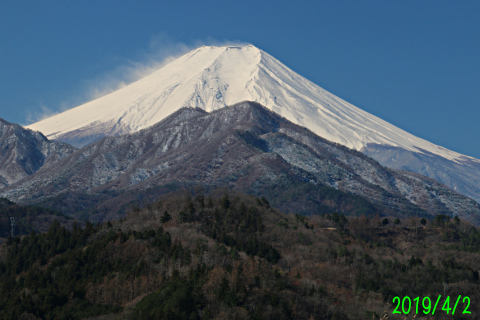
213 77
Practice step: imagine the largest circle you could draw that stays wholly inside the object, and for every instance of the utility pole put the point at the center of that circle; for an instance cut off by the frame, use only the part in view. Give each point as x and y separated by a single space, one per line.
12 226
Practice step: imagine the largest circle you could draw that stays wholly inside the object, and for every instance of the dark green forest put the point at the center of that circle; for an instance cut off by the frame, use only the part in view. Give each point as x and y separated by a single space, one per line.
27 218
233 256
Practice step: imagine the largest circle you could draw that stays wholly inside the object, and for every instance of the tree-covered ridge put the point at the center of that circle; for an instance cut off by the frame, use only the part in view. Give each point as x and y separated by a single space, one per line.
235 257
27 218
66 274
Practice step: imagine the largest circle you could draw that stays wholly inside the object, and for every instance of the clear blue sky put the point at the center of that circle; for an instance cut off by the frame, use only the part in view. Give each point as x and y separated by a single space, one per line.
415 63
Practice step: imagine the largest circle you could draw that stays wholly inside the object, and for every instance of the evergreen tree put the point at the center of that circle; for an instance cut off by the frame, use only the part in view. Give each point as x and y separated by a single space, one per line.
225 202
456 220
166 217
385 222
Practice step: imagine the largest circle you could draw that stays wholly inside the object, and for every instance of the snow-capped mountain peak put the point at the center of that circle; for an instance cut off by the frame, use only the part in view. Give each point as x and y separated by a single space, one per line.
213 77
208 77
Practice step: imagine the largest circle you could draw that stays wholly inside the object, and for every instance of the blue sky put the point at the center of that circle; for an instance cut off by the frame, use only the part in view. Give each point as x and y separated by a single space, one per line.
415 64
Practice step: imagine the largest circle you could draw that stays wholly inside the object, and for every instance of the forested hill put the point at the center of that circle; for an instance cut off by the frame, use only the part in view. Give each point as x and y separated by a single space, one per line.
27 218
235 257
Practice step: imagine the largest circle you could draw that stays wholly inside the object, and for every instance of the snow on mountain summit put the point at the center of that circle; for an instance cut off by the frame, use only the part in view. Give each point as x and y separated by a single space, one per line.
213 77
207 77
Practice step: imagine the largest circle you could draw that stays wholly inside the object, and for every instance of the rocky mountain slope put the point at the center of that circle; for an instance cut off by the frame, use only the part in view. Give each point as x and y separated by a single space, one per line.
244 147
23 152
214 77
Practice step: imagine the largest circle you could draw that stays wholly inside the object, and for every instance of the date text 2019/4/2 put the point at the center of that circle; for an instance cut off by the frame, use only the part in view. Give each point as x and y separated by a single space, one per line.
407 305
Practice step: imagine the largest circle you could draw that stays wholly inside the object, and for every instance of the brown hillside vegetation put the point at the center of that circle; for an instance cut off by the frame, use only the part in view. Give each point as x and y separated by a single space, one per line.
235 257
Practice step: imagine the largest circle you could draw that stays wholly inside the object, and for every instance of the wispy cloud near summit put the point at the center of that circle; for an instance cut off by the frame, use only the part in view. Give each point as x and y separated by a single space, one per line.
161 50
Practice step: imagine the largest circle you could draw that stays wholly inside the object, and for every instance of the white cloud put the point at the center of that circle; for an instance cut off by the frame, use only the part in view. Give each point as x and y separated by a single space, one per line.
40 113
161 50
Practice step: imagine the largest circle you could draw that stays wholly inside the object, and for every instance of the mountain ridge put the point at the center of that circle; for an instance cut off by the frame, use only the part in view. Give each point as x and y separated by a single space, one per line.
213 77
245 147
24 152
